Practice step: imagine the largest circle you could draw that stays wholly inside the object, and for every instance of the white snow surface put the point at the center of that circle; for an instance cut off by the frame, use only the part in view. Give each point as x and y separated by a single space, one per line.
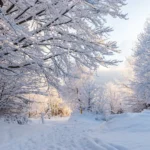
79 132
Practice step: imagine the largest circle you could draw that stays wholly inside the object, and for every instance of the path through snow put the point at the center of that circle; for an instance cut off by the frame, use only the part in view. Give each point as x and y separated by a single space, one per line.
78 133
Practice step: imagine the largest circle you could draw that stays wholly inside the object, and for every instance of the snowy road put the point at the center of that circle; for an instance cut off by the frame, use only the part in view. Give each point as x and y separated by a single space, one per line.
77 133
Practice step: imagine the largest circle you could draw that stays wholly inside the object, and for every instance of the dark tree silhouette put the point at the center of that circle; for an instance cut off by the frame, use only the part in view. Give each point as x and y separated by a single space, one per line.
1 3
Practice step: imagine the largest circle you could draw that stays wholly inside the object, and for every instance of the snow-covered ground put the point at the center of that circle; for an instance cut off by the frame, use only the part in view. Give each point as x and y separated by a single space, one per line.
79 132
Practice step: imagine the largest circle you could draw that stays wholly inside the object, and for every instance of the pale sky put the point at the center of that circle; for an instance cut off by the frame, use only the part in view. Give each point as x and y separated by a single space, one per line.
126 31
125 34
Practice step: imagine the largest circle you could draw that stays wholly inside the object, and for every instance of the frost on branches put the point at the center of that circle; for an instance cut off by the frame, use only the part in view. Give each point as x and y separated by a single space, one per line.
142 66
41 39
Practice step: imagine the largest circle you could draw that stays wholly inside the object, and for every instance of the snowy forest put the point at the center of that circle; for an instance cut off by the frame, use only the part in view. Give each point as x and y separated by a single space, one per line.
52 55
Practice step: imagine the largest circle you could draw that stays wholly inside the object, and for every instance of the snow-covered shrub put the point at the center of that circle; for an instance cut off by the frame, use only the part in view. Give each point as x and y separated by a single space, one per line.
64 111
13 95
16 119
50 105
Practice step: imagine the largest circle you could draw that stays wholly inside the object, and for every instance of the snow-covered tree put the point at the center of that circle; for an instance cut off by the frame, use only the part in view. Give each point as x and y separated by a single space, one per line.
13 94
141 84
112 98
48 36
42 39
72 90
90 94
82 91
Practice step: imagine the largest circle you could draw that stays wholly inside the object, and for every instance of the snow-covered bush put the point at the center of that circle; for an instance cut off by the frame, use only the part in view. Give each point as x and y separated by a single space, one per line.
12 99
51 105
16 119
59 108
